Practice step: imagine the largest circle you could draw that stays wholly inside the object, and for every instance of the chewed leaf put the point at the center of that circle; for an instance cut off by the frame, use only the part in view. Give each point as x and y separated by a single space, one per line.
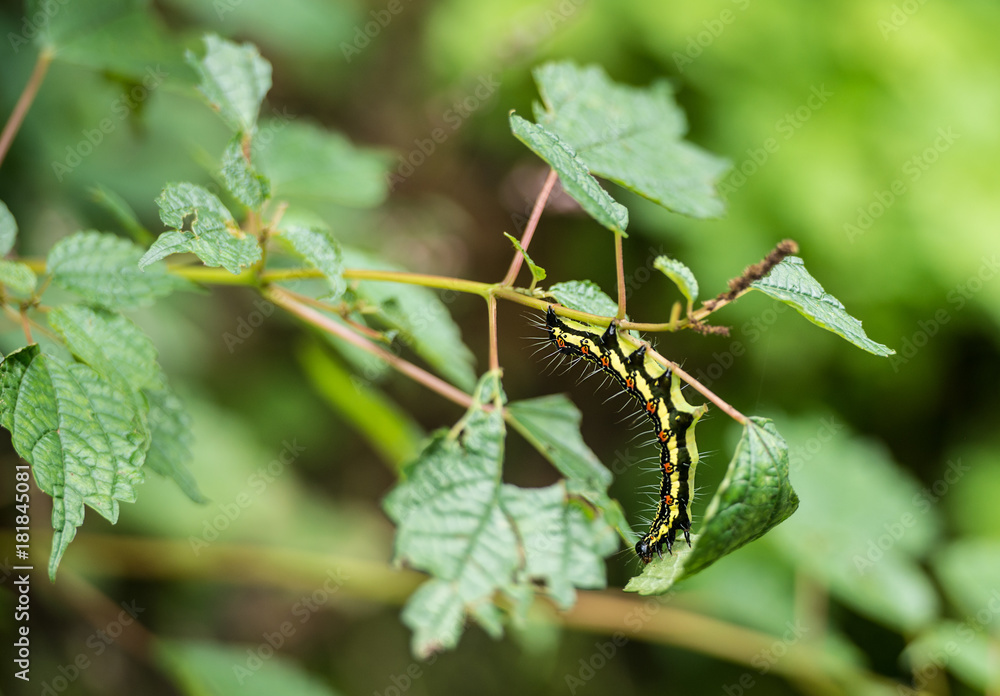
573 173
755 496
234 79
681 275
213 235
476 535
791 283
83 436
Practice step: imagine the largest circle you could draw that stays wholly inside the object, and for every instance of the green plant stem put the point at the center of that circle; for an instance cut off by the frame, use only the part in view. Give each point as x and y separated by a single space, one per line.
24 102
620 274
529 230
106 556
283 299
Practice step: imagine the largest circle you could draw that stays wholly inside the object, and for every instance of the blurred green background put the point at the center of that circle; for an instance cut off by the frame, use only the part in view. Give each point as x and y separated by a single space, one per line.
866 131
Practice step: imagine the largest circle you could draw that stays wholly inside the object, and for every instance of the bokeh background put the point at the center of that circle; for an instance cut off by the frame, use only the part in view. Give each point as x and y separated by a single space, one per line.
867 131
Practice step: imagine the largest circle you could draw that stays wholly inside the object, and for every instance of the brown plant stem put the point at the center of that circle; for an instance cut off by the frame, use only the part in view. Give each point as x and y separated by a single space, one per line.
529 231
24 102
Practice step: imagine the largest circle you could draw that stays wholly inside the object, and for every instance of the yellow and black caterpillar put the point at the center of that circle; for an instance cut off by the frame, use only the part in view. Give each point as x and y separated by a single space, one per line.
658 391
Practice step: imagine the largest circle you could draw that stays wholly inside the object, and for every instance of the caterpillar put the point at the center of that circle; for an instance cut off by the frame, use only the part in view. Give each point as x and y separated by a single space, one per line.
658 391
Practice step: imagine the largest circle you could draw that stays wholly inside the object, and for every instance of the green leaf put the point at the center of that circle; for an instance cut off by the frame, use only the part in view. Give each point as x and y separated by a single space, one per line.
321 251
8 229
170 449
423 321
122 211
477 536
791 283
250 187
119 37
969 573
573 173
84 438
201 668
631 136
585 296
235 80
110 343
755 496
214 236
537 272
104 269
681 275
17 277
552 425
308 165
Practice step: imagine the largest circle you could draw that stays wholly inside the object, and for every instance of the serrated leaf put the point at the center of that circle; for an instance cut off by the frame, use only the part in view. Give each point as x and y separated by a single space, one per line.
17 277
574 174
201 668
170 447
681 275
537 272
234 78
8 229
585 296
632 136
213 235
308 165
104 269
82 436
321 251
476 535
755 496
791 283
422 319
110 343
552 425
250 187
122 211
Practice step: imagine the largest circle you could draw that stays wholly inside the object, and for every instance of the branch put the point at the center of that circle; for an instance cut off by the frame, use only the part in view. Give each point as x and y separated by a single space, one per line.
24 102
741 284
284 300
620 273
529 231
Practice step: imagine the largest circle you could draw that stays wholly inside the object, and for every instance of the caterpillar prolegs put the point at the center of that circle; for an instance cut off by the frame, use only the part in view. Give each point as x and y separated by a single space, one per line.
658 392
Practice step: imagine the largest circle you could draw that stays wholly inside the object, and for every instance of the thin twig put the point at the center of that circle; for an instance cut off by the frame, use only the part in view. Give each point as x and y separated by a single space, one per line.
741 284
491 303
24 102
529 231
281 297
